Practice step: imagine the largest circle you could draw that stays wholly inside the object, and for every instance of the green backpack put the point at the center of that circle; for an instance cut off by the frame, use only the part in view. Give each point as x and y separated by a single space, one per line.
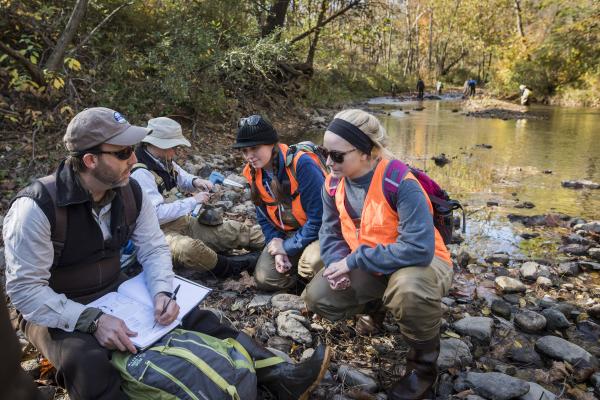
188 365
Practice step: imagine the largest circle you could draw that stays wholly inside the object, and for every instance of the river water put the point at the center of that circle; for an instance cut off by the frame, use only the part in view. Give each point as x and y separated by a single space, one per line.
527 161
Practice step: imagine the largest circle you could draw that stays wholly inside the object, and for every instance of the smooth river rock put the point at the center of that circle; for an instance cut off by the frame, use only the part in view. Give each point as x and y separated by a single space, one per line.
477 327
496 386
563 350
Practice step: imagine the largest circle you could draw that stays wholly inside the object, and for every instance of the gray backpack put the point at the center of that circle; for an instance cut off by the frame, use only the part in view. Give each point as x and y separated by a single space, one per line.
188 365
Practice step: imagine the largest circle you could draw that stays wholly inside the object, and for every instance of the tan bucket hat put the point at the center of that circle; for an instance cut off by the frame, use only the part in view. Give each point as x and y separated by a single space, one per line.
166 133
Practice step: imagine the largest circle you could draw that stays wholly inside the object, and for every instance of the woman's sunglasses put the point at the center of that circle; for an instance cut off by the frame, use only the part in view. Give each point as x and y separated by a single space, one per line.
337 156
123 154
251 120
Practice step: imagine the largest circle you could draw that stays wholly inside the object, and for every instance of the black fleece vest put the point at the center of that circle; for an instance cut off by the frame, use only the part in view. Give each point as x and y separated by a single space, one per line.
87 264
169 180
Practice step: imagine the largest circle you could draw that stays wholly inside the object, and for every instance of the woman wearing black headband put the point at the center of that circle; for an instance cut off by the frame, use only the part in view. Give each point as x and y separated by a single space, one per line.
381 252
286 189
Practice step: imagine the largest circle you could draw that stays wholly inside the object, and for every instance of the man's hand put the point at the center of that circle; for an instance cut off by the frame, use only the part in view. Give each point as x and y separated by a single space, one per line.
203 184
201 197
172 311
276 247
112 333
282 263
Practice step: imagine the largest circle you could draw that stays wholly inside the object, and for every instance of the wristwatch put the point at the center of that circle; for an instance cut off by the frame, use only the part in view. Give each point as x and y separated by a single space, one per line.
94 325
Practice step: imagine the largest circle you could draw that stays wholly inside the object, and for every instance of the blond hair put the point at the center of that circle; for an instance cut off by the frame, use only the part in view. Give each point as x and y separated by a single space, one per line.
371 127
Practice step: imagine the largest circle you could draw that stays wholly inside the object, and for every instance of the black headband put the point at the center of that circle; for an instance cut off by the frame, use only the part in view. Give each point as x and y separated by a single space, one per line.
352 134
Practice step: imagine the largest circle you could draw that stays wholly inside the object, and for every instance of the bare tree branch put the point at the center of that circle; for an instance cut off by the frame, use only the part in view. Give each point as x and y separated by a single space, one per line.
104 21
342 11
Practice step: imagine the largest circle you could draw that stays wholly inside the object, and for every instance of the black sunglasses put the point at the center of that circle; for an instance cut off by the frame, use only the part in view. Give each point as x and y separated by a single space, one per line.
337 156
251 120
123 154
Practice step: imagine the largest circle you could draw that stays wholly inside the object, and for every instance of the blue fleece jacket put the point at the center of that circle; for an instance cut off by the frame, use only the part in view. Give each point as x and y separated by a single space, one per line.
310 182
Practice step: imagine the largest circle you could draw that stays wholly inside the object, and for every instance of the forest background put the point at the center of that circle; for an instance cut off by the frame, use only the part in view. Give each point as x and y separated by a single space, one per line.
208 62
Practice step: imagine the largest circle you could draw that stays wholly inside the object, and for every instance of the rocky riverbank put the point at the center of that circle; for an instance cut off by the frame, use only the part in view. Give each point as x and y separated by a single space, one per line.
513 327
482 107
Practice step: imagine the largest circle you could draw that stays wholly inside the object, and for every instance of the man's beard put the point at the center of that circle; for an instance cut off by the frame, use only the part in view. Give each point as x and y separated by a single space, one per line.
109 177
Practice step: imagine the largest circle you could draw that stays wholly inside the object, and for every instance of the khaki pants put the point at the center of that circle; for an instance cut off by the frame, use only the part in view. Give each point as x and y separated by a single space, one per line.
267 278
195 245
412 294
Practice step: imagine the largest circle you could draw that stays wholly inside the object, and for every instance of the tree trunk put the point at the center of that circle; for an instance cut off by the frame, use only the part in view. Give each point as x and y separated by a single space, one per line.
430 39
56 58
276 17
313 44
519 20
453 63
342 11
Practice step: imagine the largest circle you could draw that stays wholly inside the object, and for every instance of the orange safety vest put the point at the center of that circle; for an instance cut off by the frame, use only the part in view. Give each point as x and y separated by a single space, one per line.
379 221
271 204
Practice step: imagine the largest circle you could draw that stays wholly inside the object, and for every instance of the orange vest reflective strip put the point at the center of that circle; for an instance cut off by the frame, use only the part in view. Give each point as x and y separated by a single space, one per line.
271 207
379 221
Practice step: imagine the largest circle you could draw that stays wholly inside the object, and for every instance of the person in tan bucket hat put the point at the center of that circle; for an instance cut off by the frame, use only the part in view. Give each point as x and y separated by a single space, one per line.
63 235
194 245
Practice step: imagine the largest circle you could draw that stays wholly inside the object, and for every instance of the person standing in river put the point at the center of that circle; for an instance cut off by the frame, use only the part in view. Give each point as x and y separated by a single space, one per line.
525 94
420 89
379 253
286 189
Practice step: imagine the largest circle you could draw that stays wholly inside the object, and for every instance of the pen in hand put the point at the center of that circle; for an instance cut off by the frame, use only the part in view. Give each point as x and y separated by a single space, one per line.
171 298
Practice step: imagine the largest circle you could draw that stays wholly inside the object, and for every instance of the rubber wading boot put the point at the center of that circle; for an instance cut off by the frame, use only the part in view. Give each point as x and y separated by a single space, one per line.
421 371
233 265
371 323
287 381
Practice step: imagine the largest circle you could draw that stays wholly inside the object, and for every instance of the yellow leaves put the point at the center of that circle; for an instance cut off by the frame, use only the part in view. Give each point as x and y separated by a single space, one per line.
66 109
57 83
517 344
452 334
72 64
486 311
12 118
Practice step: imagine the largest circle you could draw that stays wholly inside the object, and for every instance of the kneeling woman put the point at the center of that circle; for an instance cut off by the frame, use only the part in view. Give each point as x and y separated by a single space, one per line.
376 250
288 203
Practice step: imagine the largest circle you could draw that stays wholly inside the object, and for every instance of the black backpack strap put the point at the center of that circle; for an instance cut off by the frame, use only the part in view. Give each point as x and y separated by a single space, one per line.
58 228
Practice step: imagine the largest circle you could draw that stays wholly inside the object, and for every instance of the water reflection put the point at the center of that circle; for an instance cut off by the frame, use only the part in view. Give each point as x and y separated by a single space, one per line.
527 160
513 170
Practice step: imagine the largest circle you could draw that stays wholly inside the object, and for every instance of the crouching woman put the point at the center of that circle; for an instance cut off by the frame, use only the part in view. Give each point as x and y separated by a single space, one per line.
286 189
379 252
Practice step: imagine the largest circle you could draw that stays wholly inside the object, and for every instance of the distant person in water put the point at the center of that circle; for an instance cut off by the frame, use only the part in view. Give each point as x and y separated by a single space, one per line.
420 88
525 94
472 85
394 89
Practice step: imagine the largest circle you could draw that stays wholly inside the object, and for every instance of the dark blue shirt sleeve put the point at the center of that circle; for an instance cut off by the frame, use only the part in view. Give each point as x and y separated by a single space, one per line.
267 227
310 182
415 245
332 243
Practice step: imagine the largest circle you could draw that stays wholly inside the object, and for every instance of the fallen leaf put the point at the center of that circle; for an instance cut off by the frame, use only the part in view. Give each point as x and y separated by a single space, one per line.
452 334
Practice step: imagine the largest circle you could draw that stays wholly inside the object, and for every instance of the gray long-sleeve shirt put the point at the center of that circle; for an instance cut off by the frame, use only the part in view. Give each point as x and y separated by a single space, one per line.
415 245
29 254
